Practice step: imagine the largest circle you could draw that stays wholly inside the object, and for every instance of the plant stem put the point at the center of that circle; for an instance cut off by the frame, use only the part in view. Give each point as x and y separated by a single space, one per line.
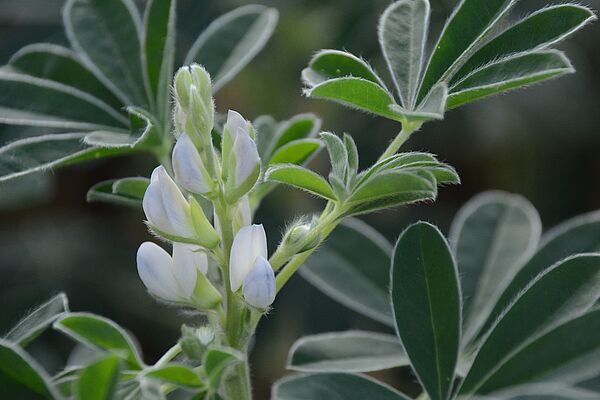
238 385
408 129
169 355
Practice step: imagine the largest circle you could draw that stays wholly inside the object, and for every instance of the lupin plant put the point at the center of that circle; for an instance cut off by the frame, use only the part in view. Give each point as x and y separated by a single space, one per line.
486 314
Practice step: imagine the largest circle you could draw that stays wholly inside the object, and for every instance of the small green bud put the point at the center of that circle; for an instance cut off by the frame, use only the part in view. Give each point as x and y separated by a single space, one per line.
296 238
207 235
201 78
195 341
183 81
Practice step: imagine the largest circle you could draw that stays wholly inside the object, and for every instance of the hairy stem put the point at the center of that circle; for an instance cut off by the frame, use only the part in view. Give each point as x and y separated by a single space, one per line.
169 355
407 130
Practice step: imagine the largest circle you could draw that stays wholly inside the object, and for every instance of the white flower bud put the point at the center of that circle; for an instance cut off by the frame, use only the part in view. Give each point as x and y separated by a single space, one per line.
242 215
165 277
259 285
165 207
241 161
180 278
187 165
249 244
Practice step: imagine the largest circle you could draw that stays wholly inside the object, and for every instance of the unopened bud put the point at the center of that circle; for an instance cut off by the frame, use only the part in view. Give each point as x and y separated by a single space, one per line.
183 81
195 341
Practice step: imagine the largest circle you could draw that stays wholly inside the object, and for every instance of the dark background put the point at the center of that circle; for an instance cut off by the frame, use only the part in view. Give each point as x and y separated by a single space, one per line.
541 142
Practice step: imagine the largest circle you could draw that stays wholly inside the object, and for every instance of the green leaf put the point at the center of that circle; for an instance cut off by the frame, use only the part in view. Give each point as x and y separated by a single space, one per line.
217 360
59 64
231 41
392 188
40 153
539 30
100 333
125 191
434 105
296 152
38 320
143 133
338 155
568 352
353 160
106 35
470 22
21 377
350 351
176 374
491 237
301 126
578 235
510 73
402 36
333 386
331 64
159 51
353 268
569 288
98 381
357 93
300 178
26 100
265 128
544 391
426 300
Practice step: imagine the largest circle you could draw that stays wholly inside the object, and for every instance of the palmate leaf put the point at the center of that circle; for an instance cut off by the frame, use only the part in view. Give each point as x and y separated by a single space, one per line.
98 381
62 65
568 352
40 153
579 235
38 320
159 52
352 267
331 64
100 333
402 36
126 191
178 374
26 100
567 289
510 73
232 40
357 93
350 351
491 236
470 22
539 30
544 391
106 35
426 300
21 377
300 178
333 386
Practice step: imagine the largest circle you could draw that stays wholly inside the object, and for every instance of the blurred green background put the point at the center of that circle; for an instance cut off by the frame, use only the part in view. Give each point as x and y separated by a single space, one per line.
542 142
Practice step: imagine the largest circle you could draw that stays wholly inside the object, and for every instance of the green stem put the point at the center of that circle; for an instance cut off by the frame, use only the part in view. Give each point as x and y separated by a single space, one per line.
408 129
238 385
169 355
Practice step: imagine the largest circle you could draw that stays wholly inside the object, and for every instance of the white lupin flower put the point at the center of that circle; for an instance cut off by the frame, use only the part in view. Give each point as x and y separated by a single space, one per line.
187 166
247 159
249 244
165 207
241 161
259 285
172 279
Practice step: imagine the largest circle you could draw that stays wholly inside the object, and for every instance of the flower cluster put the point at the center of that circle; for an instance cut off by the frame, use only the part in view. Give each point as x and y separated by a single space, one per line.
176 207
